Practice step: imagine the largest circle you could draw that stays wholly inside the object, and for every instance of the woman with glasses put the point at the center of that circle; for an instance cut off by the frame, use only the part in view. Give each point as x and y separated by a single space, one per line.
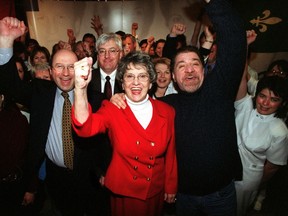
143 170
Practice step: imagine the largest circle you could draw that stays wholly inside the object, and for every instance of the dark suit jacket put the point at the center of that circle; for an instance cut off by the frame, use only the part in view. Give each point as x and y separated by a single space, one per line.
95 83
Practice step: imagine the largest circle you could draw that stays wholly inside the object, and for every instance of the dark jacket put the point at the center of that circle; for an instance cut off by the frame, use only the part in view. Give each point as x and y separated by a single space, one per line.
206 140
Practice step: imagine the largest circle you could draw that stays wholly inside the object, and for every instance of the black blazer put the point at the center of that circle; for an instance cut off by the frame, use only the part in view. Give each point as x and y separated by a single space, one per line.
95 83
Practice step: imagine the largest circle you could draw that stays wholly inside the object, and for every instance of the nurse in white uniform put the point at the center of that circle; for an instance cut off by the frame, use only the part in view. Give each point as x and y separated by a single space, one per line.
262 135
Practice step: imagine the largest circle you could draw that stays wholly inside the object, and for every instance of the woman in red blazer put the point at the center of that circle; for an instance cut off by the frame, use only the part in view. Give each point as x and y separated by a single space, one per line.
143 170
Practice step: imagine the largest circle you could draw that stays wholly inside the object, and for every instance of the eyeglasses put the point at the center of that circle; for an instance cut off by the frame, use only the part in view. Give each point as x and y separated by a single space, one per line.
131 77
60 67
112 52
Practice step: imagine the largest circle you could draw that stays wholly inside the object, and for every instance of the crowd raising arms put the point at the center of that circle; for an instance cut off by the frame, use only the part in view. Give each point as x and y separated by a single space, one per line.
134 73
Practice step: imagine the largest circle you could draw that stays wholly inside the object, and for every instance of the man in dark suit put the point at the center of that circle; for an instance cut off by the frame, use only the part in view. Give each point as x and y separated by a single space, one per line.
109 53
71 188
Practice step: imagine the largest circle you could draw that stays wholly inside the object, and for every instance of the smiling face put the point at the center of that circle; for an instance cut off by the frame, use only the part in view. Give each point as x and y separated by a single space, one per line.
267 102
128 45
64 78
188 72
163 75
136 83
159 49
109 61
39 58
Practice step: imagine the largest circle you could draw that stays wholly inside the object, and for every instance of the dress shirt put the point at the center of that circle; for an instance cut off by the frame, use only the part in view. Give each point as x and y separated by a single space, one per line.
54 146
112 79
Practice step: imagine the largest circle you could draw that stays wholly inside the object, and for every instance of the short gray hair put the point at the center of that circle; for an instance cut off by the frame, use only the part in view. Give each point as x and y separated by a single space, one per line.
105 37
42 67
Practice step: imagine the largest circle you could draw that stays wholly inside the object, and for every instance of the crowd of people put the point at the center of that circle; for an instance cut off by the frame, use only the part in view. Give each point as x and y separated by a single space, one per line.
113 125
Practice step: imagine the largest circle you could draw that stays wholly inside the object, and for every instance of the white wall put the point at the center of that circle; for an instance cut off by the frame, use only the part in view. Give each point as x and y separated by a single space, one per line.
154 17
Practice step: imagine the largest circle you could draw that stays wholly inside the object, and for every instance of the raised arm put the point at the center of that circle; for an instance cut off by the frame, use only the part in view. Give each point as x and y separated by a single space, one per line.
134 28
170 47
10 29
71 37
242 91
231 45
209 38
97 25
150 42
82 78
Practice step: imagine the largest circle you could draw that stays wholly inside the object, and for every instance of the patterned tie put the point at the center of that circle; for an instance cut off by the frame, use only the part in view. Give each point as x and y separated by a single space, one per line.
107 88
68 145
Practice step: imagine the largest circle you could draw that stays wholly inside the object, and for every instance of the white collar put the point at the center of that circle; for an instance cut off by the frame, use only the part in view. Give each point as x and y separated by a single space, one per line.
112 75
264 117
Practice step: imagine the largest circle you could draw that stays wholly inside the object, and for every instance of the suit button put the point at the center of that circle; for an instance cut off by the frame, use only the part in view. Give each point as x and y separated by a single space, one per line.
151 158
137 142
136 158
149 166
135 167
148 179
152 144
134 177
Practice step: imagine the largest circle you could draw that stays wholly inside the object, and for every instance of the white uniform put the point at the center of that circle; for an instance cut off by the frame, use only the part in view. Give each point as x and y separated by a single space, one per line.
260 138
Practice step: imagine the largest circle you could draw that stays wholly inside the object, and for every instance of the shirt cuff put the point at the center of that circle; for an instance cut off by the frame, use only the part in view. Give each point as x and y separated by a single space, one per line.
5 55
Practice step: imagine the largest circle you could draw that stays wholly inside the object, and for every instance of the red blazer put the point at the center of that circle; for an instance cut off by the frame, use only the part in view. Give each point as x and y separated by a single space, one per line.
144 160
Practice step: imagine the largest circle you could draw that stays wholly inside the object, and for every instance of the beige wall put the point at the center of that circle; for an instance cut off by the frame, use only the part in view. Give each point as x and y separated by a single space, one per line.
261 61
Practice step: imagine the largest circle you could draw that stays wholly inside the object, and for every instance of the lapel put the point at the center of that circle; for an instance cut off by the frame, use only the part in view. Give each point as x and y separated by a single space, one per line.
46 92
118 87
95 83
157 121
42 105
